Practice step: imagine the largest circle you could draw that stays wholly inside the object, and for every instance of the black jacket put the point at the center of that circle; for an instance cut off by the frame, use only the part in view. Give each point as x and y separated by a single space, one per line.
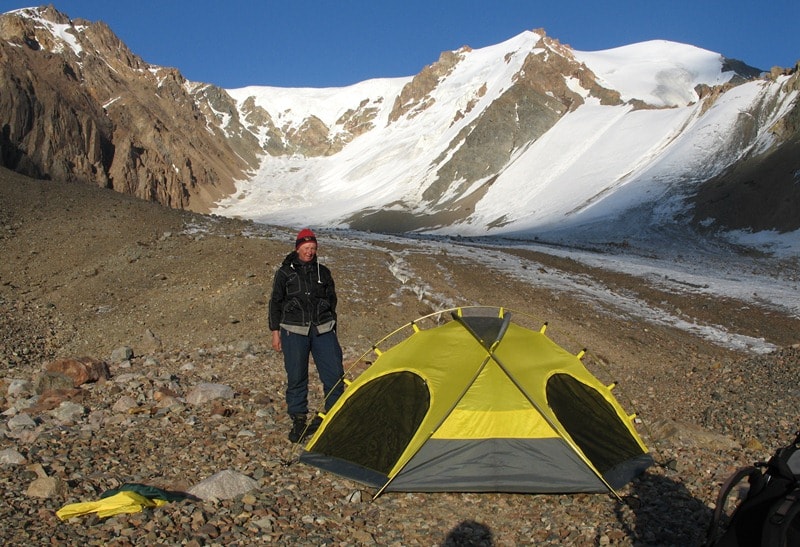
303 294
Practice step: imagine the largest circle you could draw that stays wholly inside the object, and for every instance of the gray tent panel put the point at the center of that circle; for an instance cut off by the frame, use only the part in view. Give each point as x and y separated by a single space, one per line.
496 465
346 469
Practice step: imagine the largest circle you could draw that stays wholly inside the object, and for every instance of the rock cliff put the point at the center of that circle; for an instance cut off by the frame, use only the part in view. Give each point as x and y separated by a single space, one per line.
79 106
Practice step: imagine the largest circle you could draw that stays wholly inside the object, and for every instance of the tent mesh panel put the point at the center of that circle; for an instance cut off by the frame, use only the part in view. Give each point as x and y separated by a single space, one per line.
486 329
592 422
376 423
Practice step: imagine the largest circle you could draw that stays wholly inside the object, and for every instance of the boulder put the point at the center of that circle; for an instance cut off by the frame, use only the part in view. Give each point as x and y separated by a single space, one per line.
224 485
81 370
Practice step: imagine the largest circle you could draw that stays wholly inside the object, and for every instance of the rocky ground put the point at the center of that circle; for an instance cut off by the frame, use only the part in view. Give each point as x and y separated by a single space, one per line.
89 273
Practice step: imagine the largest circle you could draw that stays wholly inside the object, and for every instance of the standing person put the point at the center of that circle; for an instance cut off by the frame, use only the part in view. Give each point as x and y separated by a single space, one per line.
302 318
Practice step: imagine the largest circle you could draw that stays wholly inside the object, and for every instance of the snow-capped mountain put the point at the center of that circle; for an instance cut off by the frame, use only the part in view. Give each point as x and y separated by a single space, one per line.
527 139
524 138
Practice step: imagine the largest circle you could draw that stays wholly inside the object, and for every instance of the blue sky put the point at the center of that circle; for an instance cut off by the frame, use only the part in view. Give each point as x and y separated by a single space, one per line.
328 43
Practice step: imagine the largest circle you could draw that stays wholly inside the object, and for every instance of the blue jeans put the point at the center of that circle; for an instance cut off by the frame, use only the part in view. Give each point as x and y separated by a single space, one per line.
327 355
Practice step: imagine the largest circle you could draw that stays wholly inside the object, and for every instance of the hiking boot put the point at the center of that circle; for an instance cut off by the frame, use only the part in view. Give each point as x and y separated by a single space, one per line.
314 425
298 430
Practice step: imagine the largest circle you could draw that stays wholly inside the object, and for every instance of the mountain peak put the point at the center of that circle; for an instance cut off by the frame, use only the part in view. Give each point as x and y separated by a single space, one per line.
43 28
525 138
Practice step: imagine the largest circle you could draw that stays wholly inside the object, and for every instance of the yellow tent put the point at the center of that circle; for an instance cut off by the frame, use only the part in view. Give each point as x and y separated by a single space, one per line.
478 404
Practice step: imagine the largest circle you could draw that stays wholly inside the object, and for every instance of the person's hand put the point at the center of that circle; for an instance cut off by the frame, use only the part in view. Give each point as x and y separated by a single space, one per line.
276 340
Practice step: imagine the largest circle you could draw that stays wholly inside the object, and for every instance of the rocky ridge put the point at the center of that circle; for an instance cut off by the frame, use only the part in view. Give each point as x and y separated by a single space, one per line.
80 106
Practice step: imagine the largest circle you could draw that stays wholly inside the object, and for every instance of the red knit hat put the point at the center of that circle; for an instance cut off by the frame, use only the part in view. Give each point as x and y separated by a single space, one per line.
304 236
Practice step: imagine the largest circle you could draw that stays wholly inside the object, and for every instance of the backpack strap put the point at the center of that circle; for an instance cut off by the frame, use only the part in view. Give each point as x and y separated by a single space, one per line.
727 486
780 518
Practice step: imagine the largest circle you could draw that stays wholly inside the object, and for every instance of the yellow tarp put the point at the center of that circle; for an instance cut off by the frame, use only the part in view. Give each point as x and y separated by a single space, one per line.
123 502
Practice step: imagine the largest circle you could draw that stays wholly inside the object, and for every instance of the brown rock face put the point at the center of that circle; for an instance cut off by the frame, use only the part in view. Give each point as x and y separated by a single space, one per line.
415 96
760 192
86 109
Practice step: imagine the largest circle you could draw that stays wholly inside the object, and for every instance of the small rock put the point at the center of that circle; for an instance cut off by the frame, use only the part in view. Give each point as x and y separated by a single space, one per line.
68 411
46 487
54 381
10 456
127 378
51 399
150 343
123 353
20 388
168 402
692 435
21 421
242 346
754 444
203 393
124 404
266 524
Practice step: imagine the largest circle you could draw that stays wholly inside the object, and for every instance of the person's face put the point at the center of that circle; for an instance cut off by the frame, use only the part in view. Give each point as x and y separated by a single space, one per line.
307 251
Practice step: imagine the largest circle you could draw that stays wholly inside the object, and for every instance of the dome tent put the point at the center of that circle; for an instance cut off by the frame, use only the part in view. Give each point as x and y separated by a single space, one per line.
478 404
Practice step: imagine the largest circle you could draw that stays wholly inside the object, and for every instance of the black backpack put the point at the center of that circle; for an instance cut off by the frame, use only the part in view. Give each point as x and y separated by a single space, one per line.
770 513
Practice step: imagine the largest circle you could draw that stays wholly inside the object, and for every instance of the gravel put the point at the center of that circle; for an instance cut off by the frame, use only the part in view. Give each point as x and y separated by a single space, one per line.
88 273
